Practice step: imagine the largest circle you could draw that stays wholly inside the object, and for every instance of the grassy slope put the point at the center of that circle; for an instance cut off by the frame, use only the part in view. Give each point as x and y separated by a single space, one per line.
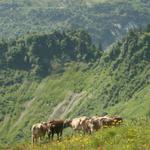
44 96
121 91
130 136
138 106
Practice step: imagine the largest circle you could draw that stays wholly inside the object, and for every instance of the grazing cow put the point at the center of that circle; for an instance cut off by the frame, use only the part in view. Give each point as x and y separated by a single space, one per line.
38 131
98 122
82 124
55 127
87 126
117 120
111 121
107 122
76 123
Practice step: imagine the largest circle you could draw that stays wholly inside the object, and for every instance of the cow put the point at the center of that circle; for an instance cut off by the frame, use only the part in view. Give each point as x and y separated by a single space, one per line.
111 121
117 120
38 131
81 124
87 126
107 122
55 127
76 123
98 122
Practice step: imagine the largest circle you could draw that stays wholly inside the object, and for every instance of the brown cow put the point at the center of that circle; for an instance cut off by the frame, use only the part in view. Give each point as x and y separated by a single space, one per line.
55 127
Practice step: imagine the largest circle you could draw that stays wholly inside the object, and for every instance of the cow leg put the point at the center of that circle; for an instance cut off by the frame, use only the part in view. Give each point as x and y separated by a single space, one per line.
33 139
39 139
84 131
91 130
52 136
58 136
77 131
42 137
49 136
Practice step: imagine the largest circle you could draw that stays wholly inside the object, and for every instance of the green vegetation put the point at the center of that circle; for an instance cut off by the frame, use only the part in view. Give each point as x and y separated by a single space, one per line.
115 81
47 61
42 54
105 20
130 136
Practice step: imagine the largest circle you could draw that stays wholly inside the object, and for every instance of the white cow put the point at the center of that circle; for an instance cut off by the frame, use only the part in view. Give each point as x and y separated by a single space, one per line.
38 131
82 124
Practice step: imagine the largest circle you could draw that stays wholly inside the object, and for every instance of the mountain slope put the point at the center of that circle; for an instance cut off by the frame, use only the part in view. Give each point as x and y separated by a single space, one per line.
130 136
106 21
116 82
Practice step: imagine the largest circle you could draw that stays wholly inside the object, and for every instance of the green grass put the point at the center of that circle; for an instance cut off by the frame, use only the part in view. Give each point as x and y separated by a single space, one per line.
138 106
132 135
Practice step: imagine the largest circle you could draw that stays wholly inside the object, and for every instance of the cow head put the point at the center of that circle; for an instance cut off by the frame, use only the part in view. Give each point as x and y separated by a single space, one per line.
67 123
50 127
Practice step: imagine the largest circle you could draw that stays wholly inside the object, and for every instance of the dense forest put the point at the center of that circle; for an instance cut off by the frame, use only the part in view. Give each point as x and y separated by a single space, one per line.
43 53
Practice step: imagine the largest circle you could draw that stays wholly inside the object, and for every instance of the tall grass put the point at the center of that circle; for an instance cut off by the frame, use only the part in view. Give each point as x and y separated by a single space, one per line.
133 135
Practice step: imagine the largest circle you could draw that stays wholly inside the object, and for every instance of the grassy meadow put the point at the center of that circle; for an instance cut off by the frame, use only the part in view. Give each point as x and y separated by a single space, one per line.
131 135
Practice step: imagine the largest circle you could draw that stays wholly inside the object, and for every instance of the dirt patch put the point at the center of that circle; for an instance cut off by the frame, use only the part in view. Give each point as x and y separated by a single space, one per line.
63 108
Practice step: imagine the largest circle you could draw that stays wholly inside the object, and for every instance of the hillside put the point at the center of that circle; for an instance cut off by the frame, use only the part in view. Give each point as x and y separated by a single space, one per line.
105 20
115 81
136 135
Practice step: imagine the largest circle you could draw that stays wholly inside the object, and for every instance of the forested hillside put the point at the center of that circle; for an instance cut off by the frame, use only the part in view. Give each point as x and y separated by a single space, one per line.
105 20
41 73
45 53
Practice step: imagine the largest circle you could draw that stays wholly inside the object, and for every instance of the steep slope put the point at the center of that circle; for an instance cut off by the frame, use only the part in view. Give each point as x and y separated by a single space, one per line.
117 83
123 77
37 73
105 20
131 136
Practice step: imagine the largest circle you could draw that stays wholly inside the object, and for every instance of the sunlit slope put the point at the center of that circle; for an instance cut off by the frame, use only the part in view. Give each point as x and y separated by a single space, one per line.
116 83
130 135
35 101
